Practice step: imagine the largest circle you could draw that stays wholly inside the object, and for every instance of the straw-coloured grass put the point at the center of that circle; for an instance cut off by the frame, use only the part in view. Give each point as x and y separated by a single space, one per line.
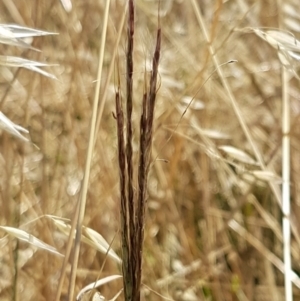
201 179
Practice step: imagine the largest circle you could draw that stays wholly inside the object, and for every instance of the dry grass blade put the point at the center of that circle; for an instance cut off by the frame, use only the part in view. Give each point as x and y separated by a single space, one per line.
214 134
287 46
238 154
97 284
192 267
89 236
67 5
265 175
63 224
98 297
279 39
19 32
191 102
91 144
29 238
12 61
12 128
96 240
11 34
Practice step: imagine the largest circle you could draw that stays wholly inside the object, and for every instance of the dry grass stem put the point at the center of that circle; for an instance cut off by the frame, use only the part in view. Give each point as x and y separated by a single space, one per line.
83 195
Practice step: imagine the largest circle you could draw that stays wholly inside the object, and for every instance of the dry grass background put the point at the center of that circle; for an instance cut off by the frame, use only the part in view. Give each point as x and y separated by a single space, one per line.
193 249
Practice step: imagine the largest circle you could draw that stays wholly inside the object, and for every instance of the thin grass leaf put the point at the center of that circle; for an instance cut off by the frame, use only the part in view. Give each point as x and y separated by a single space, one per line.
96 240
18 32
265 175
67 5
238 154
16 42
12 128
292 24
11 34
289 9
97 284
285 59
287 46
7 37
214 134
284 39
98 297
13 61
193 103
89 236
24 236
61 223
278 39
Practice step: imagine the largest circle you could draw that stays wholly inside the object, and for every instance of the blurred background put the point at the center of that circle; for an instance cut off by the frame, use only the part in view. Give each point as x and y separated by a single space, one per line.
213 229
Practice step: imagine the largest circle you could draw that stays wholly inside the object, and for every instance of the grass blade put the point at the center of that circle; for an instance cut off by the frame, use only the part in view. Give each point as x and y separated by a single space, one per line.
29 238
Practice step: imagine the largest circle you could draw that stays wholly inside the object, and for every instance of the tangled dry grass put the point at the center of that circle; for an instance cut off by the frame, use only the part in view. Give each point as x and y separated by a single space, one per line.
213 223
